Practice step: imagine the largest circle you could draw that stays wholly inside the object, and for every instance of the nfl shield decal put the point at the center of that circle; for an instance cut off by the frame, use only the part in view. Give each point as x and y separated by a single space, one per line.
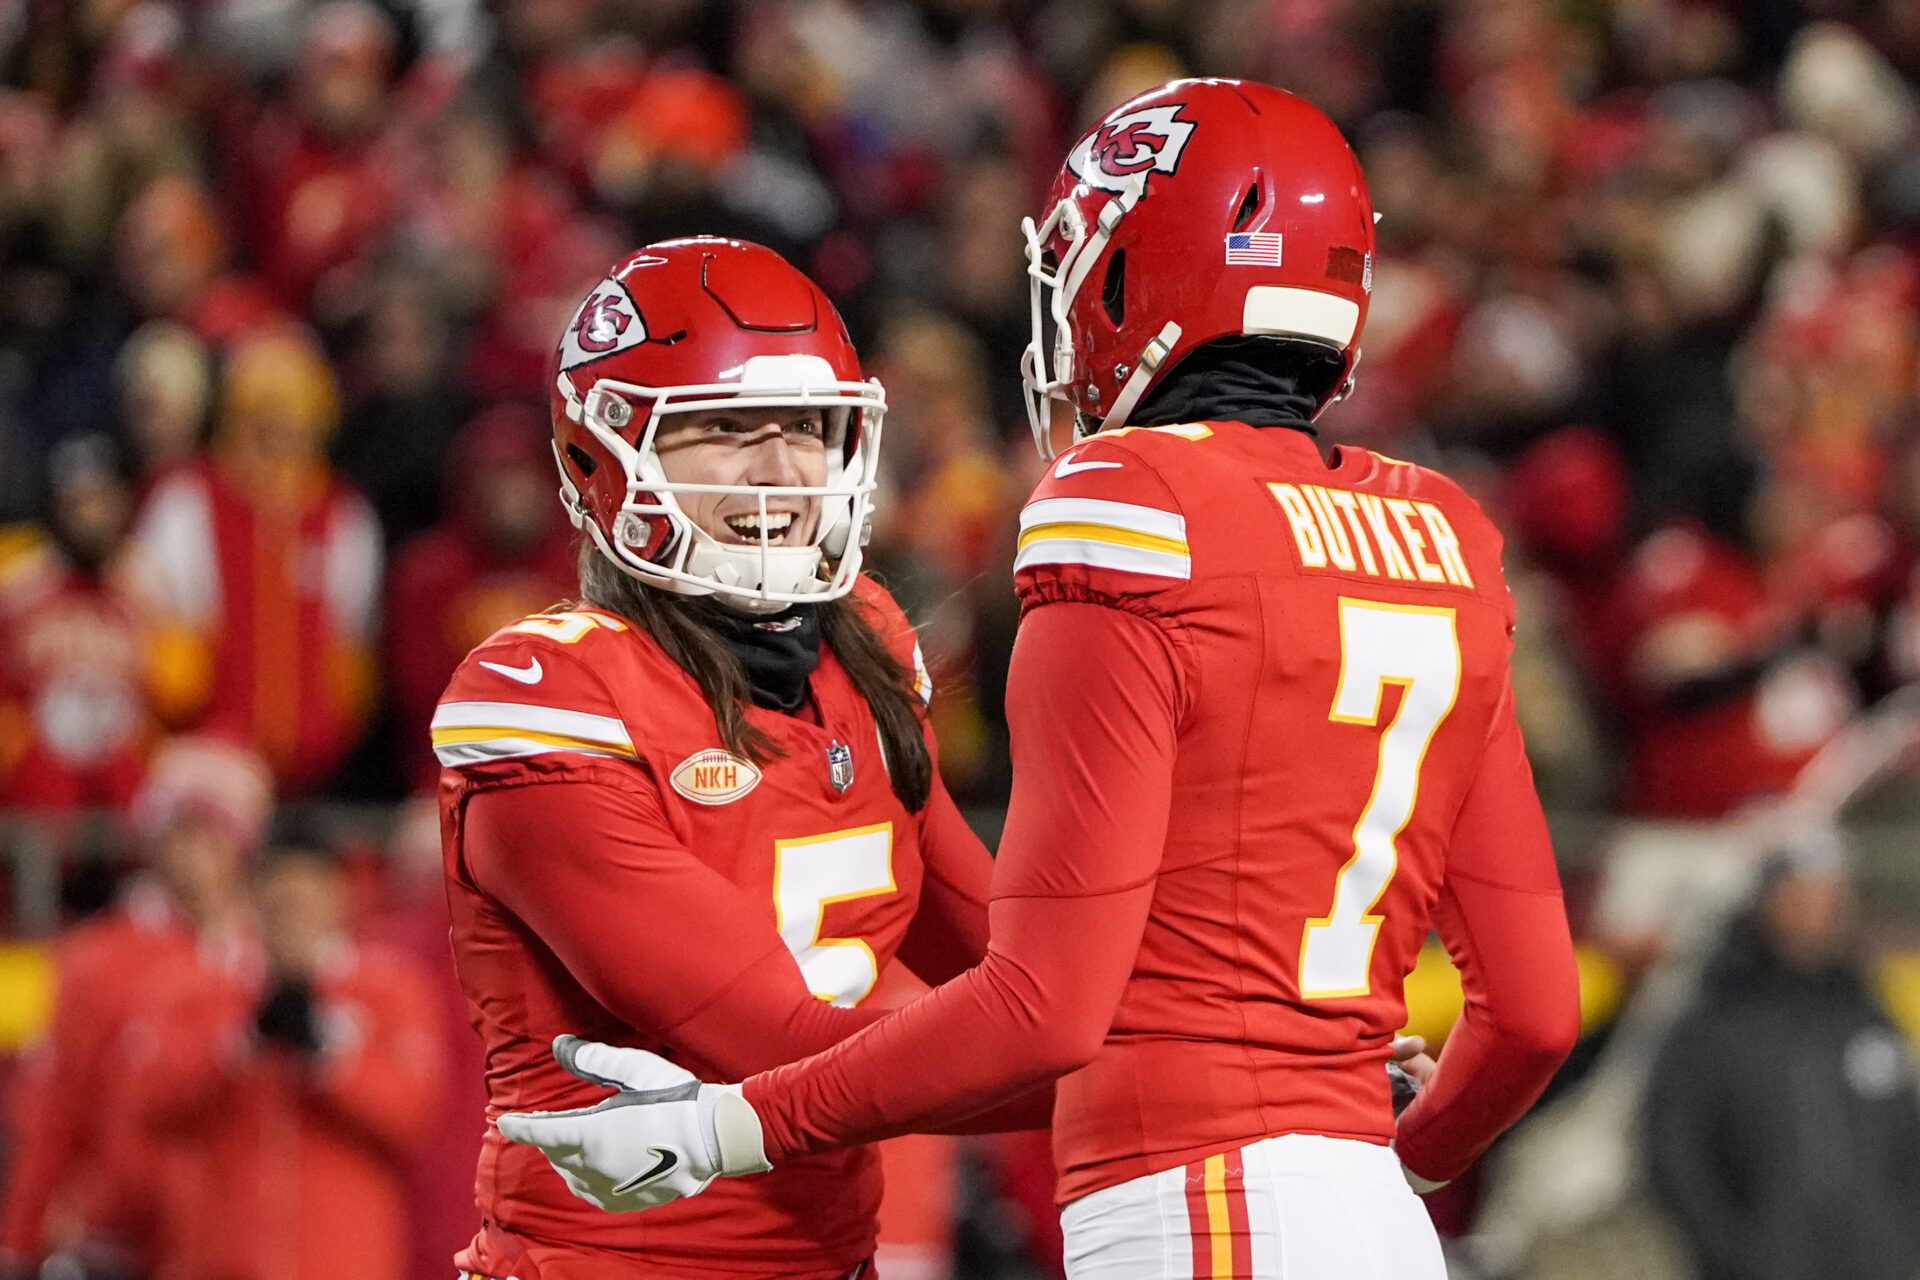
840 765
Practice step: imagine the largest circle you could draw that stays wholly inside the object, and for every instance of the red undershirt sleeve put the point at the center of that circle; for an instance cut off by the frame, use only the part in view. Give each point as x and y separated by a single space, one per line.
662 940
1094 697
948 935
1502 920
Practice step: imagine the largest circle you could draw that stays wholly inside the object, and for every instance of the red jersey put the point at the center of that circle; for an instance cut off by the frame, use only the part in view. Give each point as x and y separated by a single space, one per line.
614 872
1263 742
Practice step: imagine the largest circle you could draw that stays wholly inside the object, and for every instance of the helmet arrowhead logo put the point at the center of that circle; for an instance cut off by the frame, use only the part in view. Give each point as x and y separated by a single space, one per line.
1149 139
608 321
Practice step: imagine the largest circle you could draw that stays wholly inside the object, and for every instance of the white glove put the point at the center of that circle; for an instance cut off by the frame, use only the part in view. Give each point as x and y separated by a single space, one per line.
663 1136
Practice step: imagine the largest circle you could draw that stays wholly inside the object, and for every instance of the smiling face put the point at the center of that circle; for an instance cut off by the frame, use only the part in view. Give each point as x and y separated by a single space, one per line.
749 448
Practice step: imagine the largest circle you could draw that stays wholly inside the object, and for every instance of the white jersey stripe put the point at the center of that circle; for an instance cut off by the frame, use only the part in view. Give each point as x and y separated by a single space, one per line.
1115 515
605 730
1105 555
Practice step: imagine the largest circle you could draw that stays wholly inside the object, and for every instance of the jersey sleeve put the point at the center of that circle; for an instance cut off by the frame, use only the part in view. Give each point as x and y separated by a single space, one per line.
948 935
1102 527
949 930
530 701
663 941
1094 693
1501 918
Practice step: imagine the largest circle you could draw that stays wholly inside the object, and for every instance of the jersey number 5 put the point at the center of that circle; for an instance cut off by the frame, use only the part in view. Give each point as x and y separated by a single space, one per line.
811 874
1417 649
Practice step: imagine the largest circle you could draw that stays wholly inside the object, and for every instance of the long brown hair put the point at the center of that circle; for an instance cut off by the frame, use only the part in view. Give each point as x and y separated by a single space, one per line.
683 627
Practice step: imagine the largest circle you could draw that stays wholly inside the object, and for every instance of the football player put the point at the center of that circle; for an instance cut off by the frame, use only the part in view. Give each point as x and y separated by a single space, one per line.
698 811
1263 740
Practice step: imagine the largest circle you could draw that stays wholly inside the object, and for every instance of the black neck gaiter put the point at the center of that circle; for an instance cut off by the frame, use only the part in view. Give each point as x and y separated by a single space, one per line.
779 652
1263 382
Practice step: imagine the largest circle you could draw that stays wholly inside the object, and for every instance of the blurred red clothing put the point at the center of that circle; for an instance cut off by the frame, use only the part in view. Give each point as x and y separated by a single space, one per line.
319 204
288 1164
442 1216
1720 709
461 581
75 718
73 1168
281 603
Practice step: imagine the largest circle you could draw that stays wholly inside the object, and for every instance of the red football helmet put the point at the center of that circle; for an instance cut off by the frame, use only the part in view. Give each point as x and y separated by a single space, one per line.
700 324
1200 210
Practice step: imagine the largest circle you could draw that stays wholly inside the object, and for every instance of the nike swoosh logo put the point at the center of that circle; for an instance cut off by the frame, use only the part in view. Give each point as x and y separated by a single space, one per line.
529 674
666 1163
1067 467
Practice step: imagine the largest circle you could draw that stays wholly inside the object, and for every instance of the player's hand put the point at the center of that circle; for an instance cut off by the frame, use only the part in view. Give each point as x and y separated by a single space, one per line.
1409 1069
663 1136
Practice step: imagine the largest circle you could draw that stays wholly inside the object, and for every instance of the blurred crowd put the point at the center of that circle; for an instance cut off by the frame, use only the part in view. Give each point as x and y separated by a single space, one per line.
279 281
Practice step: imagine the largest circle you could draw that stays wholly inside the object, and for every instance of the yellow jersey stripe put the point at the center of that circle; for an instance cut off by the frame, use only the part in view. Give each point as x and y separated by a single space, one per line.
1101 511
1103 533
481 734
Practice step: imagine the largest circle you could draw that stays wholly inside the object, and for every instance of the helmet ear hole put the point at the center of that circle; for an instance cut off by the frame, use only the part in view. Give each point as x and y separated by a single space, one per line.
583 460
1249 205
1113 292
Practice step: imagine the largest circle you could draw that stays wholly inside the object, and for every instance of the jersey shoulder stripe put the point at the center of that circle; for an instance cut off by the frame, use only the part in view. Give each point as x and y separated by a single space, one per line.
1106 534
470 733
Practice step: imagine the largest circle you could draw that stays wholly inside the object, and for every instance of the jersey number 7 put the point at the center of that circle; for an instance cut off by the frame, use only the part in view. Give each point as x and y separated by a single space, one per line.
1418 649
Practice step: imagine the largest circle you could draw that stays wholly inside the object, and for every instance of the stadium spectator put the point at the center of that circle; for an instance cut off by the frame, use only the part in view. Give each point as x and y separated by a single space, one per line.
1726 699
939 541
81 1181
165 382
76 702
289 1087
322 170
405 405
267 566
1800 1162
172 255
504 551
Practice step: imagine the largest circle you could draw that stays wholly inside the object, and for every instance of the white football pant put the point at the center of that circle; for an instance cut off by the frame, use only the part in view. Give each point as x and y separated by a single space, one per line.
1295 1207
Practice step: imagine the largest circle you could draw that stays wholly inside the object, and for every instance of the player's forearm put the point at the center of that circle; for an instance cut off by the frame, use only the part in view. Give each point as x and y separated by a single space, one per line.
1521 1018
948 935
1030 1110
1036 1008
720 987
757 1023
1093 693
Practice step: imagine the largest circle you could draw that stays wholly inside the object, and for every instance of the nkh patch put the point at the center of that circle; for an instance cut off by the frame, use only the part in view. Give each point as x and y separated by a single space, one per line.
608 321
1253 249
714 777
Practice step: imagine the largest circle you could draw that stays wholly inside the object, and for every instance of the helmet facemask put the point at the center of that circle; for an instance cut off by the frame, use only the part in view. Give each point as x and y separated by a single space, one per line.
1047 368
757 578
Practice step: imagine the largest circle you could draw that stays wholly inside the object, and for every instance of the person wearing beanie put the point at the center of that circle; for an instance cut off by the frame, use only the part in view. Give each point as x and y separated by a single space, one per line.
80 1182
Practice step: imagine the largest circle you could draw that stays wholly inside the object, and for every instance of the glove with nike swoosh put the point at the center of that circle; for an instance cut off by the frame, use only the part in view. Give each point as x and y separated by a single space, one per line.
662 1137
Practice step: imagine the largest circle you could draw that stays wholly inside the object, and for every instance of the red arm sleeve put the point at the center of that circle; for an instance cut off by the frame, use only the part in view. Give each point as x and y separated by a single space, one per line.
1502 920
1094 695
592 867
948 935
